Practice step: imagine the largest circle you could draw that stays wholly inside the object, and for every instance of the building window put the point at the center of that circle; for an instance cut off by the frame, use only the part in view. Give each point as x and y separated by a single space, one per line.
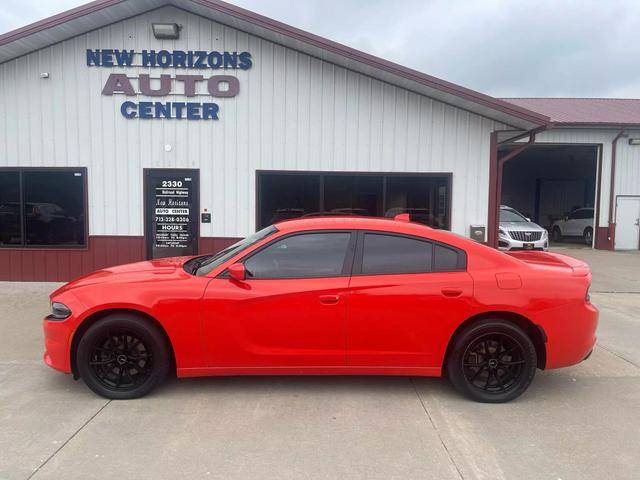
285 195
42 207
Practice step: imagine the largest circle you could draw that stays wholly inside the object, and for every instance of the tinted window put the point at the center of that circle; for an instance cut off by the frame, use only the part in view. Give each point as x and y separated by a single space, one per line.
583 214
282 196
51 211
299 256
447 259
424 198
353 194
392 254
10 233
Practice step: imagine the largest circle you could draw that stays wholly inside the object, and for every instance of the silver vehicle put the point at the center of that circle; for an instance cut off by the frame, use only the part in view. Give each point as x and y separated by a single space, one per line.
517 232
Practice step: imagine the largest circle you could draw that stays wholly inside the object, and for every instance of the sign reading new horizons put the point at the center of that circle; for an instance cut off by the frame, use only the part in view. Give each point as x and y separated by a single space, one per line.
187 85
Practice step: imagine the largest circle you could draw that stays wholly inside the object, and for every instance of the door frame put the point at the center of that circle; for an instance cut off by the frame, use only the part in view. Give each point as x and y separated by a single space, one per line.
146 226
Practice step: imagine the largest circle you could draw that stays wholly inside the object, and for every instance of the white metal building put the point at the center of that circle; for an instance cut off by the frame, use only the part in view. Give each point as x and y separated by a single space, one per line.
120 142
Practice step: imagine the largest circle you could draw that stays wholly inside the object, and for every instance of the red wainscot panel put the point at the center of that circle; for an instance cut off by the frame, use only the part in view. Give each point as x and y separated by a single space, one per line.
62 265
602 240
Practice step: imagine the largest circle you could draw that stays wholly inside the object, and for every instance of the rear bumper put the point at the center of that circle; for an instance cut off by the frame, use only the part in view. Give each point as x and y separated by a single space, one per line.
571 336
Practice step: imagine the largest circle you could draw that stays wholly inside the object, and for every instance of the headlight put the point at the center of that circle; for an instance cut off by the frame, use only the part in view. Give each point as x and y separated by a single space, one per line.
59 311
545 234
502 232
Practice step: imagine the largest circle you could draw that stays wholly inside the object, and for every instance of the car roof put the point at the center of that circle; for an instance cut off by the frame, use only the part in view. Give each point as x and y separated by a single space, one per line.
355 222
338 222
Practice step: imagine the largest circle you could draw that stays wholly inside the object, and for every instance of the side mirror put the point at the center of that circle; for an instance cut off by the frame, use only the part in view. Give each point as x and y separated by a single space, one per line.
237 272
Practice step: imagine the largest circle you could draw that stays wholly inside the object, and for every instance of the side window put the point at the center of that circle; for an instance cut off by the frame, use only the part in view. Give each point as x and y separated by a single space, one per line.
584 214
393 254
301 256
447 259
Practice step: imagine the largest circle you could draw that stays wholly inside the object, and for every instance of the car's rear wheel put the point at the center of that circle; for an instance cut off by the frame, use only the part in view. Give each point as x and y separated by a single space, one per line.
123 356
587 236
556 234
493 361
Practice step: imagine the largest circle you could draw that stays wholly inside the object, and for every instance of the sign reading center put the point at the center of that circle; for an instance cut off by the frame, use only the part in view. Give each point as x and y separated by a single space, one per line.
217 86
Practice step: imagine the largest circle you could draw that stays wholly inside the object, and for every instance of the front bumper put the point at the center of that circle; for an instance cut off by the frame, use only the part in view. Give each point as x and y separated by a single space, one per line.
57 344
507 243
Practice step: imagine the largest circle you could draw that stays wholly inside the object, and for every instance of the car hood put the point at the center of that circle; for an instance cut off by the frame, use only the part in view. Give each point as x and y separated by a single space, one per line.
161 266
520 226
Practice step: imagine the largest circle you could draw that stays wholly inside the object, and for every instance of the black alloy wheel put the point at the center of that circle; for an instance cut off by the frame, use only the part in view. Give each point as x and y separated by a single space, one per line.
587 236
556 234
494 361
120 360
122 357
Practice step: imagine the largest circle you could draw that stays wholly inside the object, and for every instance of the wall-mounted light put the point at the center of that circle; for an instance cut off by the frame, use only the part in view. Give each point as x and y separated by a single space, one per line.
166 31
634 141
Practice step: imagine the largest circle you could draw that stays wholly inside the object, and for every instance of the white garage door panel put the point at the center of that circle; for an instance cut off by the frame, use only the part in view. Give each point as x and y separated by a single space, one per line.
627 223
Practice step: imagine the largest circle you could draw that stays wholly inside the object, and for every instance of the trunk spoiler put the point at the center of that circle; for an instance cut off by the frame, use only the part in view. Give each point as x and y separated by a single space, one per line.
548 259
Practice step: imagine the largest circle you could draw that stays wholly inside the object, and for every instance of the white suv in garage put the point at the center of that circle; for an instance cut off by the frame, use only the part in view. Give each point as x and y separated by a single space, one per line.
517 232
578 223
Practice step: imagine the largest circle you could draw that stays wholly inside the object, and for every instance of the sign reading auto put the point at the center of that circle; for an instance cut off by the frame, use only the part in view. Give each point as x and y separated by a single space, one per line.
188 85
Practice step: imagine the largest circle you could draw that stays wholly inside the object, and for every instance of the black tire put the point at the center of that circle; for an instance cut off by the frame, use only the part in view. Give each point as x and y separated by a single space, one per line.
556 234
587 236
123 356
505 358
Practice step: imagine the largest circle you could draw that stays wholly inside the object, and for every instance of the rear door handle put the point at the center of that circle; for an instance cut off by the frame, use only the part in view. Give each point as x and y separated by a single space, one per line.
329 299
451 292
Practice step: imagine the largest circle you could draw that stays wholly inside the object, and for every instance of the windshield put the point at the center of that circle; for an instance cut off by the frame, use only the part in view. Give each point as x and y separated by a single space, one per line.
511 216
204 265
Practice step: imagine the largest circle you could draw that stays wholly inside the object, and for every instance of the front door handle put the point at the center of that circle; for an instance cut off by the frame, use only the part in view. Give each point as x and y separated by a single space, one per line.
451 292
329 299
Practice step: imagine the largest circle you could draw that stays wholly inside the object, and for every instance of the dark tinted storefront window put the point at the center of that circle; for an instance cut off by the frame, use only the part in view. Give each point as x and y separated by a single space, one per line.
425 197
284 196
10 233
353 194
47 208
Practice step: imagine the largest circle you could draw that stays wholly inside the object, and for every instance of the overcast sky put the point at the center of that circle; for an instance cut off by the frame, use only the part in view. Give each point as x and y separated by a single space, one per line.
503 48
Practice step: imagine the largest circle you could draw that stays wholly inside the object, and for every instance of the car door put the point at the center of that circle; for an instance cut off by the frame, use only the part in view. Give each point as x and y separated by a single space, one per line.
572 225
290 311
407 295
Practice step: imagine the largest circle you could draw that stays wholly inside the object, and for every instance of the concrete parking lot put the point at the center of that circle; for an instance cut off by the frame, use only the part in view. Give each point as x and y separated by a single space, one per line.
577 423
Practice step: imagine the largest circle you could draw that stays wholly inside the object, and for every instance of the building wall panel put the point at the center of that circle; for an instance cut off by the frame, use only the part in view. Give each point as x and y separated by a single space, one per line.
293 112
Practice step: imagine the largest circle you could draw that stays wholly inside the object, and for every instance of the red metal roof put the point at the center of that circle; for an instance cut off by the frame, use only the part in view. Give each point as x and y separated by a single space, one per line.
585 111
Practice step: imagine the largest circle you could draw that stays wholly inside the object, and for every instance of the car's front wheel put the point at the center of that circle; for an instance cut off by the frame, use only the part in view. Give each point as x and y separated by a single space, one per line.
492 361
556 234
587 236
122 356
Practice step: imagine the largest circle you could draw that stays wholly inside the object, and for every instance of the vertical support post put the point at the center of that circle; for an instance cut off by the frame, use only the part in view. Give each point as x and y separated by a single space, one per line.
492 227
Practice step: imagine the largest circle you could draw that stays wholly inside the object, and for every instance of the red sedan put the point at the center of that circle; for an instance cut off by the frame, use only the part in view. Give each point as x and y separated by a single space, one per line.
328 296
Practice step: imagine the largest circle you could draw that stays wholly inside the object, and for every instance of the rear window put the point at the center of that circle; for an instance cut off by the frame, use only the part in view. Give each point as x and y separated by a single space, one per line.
386 254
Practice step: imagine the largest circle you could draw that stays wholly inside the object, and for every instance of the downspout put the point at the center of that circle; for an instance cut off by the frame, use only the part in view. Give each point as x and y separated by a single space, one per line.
496 193
612 184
